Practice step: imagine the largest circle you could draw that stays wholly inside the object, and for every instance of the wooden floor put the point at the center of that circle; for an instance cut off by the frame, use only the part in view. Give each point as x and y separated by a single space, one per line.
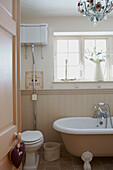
69 162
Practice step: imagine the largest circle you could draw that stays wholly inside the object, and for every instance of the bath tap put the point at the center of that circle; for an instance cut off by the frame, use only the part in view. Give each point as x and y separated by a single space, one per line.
97 114
102 112
101 116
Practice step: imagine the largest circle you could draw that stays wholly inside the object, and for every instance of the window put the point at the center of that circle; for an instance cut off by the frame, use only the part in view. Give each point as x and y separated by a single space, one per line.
69 61
68 50
89 66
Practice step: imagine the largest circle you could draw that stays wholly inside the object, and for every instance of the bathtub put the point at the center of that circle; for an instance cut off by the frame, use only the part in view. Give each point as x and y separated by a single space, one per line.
81 134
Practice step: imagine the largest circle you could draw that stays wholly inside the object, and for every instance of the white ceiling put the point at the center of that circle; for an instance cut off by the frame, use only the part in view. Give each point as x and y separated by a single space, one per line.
49 8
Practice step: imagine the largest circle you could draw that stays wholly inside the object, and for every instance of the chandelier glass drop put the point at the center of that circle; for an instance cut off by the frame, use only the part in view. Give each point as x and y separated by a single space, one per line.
96 10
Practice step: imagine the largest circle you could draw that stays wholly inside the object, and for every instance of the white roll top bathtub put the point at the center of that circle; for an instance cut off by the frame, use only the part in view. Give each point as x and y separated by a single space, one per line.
82 134
82 125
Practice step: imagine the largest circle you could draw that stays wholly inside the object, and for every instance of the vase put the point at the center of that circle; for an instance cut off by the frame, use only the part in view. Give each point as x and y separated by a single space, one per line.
98 72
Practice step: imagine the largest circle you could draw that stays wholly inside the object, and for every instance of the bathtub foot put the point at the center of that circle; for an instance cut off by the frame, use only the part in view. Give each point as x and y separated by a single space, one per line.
87 158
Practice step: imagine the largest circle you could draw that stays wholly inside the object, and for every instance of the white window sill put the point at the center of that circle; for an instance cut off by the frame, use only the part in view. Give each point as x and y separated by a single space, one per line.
82 84
82 81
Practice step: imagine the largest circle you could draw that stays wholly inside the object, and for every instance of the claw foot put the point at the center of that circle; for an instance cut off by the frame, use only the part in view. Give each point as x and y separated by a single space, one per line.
87 158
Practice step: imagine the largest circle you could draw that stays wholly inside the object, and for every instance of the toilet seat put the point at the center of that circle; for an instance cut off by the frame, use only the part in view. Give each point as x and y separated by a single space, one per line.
35 142
31 137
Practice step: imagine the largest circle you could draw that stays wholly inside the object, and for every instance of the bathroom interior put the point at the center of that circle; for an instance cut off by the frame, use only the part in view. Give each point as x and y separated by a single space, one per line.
66 86
69 89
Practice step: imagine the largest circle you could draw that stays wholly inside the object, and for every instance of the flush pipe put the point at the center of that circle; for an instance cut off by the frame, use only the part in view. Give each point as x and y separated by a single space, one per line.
34 90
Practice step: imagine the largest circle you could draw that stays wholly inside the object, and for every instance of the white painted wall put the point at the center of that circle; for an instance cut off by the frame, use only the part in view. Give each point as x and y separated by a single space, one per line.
59 24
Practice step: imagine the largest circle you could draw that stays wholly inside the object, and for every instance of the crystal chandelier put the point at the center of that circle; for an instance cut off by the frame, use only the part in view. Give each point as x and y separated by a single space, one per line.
96 10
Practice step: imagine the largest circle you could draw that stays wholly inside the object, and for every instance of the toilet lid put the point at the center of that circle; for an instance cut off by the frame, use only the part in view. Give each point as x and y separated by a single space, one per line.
34 142
31 136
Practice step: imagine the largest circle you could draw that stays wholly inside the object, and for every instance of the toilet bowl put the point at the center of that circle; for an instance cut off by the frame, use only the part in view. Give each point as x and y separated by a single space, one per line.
33 141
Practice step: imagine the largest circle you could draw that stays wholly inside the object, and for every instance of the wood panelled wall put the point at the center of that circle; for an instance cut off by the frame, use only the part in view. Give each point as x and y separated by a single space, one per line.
55 104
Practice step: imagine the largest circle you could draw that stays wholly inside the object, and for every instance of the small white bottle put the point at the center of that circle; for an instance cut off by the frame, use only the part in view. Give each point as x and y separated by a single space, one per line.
81 72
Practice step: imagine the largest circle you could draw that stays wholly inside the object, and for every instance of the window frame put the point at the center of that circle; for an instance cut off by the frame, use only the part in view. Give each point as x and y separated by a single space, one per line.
81 52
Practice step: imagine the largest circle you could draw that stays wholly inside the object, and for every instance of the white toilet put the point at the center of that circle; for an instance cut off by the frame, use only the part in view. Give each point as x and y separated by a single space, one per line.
33 141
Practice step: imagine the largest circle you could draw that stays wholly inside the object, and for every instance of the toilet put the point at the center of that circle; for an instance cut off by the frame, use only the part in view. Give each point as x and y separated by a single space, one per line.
33 141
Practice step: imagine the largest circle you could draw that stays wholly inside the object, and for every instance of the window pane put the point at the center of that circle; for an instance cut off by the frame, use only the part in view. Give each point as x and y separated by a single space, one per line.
101 45
73 45
73 72
61 45
90 66
67 50
89 44
89 69
73 59
104 69
60 72
61 57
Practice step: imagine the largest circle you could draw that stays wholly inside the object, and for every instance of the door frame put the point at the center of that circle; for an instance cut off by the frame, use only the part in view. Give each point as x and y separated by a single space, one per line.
17 66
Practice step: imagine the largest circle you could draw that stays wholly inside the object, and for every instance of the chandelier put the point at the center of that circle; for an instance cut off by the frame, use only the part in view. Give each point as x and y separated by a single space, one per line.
96 10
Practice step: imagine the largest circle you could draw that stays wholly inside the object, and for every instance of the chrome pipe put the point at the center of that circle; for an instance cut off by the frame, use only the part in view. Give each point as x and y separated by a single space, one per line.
34 90
33 46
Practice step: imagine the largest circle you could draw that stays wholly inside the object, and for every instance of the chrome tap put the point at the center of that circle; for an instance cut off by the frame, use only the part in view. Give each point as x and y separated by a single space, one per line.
101 113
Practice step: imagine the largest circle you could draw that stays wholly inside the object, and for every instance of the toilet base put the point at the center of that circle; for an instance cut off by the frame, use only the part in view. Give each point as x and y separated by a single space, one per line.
32 160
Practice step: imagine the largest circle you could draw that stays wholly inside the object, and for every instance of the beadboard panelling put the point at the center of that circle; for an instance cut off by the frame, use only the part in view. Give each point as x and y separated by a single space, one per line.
27 112
55 104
